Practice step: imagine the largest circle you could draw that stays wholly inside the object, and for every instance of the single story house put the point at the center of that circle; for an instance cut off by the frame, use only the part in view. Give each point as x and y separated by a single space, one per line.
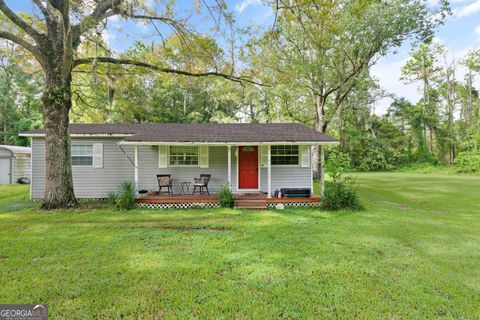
14 163
248 157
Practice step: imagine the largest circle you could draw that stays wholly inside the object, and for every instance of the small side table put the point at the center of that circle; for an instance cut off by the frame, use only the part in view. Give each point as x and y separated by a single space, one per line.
185 187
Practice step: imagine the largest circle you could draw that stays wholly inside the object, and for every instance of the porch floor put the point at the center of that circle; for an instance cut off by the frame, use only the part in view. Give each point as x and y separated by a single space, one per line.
204 198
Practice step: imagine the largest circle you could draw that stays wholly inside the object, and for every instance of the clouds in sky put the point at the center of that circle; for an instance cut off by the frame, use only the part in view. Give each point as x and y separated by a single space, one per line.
388 73
460 34
244 4
108 36
467 10
477 32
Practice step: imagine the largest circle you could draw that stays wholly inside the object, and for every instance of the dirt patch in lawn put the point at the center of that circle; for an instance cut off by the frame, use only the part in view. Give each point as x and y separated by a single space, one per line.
186 228
196 228
399 206
396 205
90 206
403 206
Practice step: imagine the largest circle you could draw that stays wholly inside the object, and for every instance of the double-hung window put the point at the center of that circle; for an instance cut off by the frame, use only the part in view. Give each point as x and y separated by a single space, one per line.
183 156
284 155
82 155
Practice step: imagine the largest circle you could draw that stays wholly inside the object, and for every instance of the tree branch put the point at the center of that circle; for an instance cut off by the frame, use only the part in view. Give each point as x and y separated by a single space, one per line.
25 44
20 22
160 69
44 10
103 10
176 26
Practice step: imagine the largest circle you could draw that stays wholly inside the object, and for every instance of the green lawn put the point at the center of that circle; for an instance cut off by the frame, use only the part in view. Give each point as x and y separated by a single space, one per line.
413 253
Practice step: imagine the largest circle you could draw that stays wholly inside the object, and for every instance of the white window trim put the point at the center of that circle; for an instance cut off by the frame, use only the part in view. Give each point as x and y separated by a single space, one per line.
182 165
82 165
288 165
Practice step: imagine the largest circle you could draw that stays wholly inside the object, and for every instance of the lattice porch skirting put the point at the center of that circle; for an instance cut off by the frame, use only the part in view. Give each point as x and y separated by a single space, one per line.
295 204
185 205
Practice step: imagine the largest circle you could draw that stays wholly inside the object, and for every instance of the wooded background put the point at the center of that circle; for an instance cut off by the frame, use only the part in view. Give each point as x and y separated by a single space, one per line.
311 66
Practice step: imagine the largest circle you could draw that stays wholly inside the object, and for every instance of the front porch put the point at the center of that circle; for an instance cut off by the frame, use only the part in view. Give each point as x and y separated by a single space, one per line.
252 200
245 168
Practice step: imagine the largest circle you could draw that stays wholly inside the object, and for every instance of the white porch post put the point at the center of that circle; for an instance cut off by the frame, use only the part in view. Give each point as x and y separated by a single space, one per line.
136 168
322 171
229 181
311 169
269 171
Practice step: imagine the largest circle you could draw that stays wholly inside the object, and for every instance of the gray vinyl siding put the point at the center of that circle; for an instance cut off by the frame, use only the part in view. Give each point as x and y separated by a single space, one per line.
37 187
148 169
5 174
21 166
88 182
288 177
282 176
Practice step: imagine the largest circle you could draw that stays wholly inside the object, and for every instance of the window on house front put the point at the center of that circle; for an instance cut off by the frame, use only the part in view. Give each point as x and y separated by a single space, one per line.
183 156
284 155
82 155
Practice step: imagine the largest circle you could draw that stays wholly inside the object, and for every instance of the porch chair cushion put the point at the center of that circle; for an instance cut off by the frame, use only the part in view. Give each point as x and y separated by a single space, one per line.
203 180
201 183
164 181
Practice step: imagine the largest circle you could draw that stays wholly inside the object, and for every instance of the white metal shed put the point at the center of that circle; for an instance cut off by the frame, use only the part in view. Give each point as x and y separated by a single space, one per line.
14 163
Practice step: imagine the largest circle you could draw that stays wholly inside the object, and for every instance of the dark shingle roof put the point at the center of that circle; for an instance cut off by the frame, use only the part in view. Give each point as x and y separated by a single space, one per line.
180 132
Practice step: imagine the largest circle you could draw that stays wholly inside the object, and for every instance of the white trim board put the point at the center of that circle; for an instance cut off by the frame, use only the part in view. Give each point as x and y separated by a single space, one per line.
81 135
157 143
153 143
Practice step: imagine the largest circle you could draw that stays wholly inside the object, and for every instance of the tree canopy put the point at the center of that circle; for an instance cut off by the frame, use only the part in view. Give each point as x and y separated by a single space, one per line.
311 65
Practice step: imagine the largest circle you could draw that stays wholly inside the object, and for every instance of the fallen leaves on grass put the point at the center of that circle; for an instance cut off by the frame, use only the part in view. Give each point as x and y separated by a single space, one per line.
160 314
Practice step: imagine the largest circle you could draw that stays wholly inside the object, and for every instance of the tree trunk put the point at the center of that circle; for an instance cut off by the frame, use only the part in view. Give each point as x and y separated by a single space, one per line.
430 143
320 126
56 106
452 153
316 161
469 112
4 136
424 134
426 102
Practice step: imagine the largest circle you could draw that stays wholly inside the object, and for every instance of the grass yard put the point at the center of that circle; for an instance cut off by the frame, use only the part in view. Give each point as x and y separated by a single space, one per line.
413 253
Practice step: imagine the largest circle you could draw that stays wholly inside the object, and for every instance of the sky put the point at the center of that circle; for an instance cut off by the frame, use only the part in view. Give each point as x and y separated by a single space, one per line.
460 33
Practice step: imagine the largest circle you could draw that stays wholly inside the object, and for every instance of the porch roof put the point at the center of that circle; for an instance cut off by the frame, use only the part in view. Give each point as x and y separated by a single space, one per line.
200 133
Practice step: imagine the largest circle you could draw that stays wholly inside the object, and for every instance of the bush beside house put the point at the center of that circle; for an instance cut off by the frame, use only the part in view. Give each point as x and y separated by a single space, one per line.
339 192
225 197
124 199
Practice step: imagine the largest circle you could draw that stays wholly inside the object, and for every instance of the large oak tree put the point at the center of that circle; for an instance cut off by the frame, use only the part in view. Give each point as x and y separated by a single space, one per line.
53 34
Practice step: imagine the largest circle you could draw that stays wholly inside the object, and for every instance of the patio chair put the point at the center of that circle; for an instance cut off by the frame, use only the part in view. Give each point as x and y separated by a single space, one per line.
164 181
201 183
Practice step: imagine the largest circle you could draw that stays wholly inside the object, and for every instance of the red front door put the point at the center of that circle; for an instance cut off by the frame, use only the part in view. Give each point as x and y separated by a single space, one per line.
248 167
